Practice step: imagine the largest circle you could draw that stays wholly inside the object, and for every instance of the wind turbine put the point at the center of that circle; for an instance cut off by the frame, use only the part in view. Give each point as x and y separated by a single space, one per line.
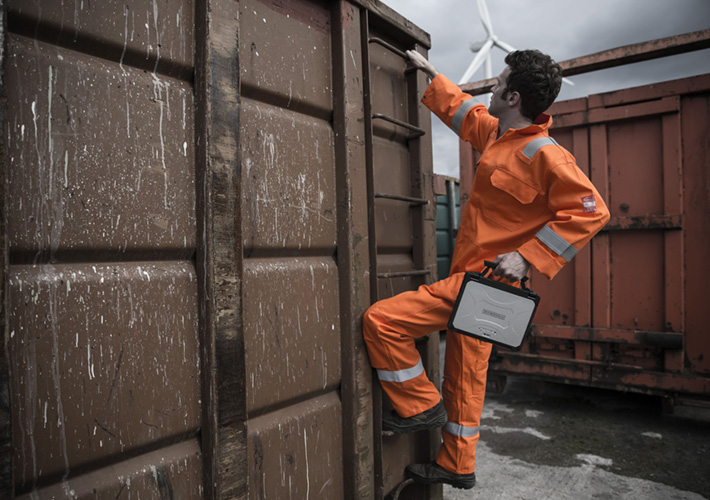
483 49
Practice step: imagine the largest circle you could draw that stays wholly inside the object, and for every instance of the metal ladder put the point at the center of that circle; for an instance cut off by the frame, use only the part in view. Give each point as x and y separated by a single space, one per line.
416 201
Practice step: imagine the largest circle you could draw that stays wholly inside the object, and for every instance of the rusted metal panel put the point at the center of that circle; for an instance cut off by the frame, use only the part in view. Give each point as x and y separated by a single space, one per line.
185 196
88 180
103 315
86 344
153 35
285 54
6 451
293 348
297 451
174 472
290 307
695 123
288 170
625 310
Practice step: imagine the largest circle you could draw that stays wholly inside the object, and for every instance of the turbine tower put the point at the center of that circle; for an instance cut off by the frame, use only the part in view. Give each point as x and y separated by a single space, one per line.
483 49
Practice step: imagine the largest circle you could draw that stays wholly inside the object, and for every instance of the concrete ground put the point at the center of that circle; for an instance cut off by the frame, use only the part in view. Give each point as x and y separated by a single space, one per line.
559 442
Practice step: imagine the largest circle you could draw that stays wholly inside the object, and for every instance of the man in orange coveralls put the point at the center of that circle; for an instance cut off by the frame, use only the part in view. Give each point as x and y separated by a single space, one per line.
530 205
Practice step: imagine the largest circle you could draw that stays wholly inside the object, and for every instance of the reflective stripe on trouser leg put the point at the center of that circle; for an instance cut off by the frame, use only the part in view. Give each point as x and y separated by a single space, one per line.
389 329
464 389
401 375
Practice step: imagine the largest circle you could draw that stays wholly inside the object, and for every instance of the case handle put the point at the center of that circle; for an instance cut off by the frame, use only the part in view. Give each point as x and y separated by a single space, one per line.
492 265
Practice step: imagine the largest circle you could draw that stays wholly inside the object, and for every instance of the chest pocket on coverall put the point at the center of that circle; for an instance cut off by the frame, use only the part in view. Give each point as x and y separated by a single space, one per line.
512 197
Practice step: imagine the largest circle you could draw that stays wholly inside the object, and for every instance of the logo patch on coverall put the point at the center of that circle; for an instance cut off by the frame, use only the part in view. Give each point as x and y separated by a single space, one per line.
589 203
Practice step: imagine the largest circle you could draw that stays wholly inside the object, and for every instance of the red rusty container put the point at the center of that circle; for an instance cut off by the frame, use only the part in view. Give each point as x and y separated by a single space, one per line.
631 310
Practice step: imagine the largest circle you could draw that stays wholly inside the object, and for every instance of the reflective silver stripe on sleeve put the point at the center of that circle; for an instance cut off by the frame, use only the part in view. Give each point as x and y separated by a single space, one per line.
402 375
457 120
556 243
535 145
460 430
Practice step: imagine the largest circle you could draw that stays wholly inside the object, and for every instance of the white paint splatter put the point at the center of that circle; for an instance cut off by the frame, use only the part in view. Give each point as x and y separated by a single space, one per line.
505 430
594 460
66 167
308 479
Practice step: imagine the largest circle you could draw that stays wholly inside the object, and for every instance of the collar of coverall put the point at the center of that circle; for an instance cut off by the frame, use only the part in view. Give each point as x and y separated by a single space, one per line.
541 123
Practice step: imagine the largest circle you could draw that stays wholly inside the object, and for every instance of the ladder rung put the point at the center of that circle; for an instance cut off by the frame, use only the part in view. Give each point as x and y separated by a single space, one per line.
380 41
417 131
408 199
404 274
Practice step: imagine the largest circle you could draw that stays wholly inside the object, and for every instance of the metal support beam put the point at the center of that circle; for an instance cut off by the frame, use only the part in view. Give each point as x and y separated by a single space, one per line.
644 51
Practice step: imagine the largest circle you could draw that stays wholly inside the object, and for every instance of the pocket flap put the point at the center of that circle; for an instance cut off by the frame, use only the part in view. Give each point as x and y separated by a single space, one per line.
505 181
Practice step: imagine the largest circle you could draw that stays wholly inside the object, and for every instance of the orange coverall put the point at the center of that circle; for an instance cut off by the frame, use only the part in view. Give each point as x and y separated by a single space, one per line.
528 195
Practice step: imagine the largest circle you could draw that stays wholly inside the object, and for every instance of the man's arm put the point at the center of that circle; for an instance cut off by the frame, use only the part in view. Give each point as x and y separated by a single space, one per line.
579 212
458 110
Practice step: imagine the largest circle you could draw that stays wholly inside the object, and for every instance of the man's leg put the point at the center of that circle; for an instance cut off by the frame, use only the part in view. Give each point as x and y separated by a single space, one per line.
390 327
464 388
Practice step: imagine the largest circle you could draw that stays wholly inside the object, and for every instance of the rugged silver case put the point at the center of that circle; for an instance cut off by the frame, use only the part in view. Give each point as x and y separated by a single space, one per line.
493 311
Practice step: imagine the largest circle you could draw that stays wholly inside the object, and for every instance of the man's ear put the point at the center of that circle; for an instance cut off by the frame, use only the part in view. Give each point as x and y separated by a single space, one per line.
513 98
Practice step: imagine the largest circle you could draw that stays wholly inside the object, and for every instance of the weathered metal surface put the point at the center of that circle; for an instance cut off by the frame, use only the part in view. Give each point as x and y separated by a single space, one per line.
6 451
291 327
152 35
87 180
404 233
297 452
102 307
274 67
288 170
695 122
619 56
174 472
219 252
620 314
85 376
188 247
293 346
353 251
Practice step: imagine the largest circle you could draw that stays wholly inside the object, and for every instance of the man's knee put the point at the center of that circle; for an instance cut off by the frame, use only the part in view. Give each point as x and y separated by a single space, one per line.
372 321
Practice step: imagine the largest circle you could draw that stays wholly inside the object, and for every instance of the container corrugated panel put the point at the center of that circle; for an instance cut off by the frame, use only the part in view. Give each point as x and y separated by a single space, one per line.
630 312
291 305
102 290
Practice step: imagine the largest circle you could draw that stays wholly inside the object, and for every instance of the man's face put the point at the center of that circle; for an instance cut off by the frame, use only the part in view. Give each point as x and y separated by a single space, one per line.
498 104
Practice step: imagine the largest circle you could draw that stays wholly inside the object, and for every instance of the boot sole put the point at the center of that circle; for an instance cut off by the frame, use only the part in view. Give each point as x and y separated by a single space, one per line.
456 483
406 429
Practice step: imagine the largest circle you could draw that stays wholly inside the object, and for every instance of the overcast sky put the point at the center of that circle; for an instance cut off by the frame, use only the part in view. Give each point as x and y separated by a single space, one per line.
565 29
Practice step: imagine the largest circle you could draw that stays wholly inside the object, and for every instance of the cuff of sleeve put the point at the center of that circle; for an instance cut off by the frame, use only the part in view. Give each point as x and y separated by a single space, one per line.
541 258
435 82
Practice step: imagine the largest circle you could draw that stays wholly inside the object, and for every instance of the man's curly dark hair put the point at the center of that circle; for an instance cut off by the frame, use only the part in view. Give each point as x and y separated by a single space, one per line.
536 77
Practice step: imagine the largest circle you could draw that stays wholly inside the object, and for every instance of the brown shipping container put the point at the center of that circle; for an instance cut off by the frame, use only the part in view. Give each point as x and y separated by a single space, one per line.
631 310
200 201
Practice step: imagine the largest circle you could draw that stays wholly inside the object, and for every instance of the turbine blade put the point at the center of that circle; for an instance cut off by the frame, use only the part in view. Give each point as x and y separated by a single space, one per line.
485 16
477 61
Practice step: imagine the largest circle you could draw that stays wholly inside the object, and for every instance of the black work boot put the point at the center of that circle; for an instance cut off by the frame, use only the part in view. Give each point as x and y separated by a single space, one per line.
430 419
433 473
